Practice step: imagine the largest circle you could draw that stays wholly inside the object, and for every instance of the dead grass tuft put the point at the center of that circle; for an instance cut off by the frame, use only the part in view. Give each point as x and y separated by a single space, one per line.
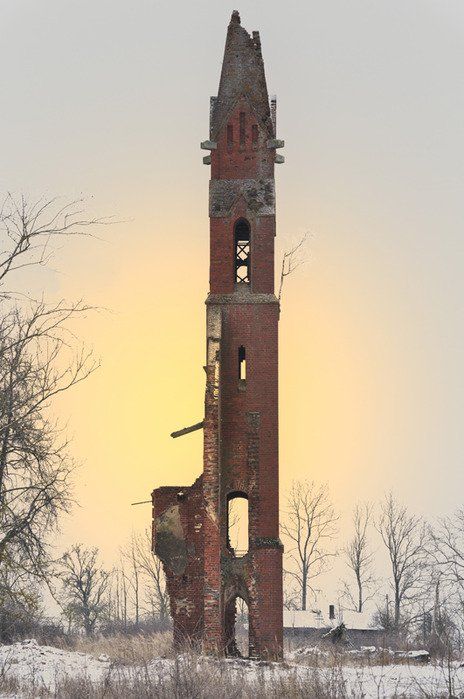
122 649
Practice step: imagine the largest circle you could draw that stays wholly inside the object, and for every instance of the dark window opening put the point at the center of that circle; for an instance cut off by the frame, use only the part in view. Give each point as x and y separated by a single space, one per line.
230 136
242 363
331 611
254 134
237 524
242 128
242 252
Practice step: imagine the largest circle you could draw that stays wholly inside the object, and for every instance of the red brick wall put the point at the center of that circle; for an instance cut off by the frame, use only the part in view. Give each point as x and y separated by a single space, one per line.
242 161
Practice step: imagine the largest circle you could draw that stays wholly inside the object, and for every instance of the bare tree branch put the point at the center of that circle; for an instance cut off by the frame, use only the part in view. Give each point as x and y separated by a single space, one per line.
28 229
291 261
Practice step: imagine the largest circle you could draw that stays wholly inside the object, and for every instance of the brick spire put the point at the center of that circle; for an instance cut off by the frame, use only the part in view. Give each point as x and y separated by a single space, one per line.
242 75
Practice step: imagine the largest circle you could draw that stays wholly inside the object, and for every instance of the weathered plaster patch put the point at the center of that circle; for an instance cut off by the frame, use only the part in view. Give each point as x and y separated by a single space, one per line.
259 196
170 541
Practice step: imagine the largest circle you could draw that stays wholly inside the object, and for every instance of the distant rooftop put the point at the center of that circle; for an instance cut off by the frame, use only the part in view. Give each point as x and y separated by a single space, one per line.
317 619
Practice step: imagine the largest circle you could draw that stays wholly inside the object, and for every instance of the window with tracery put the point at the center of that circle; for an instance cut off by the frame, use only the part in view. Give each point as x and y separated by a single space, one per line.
242 252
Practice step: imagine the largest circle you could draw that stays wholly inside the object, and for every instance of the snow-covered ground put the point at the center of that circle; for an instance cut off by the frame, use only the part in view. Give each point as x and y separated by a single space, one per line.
38 667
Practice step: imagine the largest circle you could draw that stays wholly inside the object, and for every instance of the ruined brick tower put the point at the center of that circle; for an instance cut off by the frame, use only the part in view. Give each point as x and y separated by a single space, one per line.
191 525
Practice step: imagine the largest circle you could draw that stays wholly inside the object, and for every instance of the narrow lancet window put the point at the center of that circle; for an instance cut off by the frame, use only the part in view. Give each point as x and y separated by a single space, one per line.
242 252
241 363
237 524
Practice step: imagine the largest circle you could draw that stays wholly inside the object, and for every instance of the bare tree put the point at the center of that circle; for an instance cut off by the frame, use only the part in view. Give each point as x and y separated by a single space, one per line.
156 599
292 259
447 549
309 525
118 596
37 363
129 556
85 586
20 601
404 536
359 557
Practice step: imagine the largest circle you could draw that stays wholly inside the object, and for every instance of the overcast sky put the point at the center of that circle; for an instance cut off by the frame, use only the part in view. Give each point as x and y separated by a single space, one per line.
110 100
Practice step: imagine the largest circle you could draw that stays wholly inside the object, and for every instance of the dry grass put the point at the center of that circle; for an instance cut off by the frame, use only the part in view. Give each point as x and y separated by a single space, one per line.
123 649
187 681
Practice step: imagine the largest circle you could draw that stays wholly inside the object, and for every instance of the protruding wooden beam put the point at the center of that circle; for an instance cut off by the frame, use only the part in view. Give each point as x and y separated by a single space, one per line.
187 430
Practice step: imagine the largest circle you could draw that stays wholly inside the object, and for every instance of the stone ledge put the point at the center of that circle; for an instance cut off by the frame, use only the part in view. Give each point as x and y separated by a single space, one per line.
275 143
264 542
239 297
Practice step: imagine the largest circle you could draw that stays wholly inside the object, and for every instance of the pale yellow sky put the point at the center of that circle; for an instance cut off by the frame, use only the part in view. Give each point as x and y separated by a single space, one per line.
110 99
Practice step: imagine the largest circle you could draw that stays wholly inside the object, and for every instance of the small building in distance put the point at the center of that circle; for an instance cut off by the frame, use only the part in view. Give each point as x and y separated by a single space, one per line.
313 626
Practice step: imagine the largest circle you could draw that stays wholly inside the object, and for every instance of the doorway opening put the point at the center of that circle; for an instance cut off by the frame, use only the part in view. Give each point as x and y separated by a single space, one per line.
237 628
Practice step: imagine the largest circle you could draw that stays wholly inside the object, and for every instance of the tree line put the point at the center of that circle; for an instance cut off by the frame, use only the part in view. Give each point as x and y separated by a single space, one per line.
419 592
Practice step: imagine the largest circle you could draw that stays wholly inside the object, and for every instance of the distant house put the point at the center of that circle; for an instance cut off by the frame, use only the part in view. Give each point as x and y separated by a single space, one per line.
315 625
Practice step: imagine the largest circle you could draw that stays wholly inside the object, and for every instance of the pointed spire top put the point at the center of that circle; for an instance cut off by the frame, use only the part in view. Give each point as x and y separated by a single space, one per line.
242 75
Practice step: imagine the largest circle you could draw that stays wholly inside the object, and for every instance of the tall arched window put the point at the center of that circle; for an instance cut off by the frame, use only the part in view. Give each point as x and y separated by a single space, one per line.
237 524
242 252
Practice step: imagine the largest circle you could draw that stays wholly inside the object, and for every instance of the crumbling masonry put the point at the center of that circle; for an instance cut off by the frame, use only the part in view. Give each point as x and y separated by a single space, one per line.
205 575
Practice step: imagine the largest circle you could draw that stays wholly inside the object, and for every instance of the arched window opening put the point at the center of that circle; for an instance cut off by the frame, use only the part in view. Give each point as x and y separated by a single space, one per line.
237 628
237 524
242 252
242 368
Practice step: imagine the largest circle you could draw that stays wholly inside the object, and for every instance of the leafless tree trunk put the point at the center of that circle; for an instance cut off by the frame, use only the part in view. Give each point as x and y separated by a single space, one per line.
359 558
404 537
309 526
85 587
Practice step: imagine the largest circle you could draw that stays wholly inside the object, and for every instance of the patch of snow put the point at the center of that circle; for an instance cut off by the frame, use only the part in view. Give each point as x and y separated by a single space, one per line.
43 666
